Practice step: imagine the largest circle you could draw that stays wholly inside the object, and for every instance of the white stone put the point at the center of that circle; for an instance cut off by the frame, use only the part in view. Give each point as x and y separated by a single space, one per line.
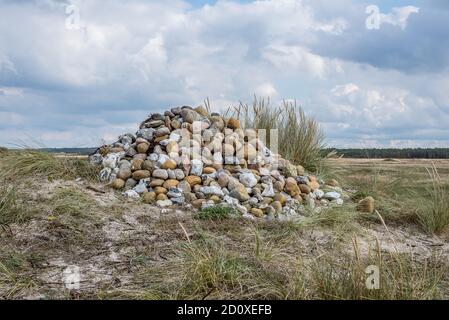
105 173
248 179
269 190
319 194
141 187
332 195
212 190
164 203
175 137
264 172
153 157
230 200
111 160
131 194
248 216
338 201
197 167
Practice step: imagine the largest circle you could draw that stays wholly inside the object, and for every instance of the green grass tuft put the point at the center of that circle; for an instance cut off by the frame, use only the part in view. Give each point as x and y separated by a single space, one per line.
218 212
433 216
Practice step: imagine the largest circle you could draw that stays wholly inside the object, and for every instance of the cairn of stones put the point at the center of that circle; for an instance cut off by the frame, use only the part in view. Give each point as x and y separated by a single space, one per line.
192 158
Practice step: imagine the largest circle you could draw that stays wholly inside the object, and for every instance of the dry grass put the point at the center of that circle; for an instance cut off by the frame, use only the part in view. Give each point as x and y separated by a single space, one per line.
10 210
16 165
15 276
292 124
433 216
209 269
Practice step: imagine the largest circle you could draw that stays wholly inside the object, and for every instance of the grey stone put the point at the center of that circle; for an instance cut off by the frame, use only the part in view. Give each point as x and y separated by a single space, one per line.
96 159
131 194
197 167
146 134
212 191
248 179
189 115
160 174
162 132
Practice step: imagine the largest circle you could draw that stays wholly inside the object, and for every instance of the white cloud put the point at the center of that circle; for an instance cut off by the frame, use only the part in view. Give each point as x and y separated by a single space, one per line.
131 58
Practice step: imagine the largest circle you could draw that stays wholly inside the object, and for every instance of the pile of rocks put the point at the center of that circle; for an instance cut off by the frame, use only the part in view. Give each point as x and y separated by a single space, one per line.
194 158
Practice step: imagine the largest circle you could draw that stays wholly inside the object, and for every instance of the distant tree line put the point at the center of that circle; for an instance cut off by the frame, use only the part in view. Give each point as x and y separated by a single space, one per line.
408 153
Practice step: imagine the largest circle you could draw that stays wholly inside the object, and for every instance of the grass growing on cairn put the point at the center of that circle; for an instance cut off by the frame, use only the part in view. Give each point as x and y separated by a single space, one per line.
292 124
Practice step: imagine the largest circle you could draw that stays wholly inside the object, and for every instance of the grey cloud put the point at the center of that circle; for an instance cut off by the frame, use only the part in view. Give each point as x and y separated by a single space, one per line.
129 59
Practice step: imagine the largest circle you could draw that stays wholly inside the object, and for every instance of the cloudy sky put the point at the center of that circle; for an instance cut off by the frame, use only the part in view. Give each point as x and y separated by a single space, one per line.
371 80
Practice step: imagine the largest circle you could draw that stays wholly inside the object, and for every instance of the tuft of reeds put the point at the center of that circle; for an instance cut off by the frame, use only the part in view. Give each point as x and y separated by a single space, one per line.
303 134
433 216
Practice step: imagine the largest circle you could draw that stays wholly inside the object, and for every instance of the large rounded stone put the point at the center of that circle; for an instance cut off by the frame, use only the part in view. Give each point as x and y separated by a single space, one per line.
179 174
170 183
314 185
156 183
280 198
141 174
136 164
160 174
124 173
149 197
189 115
257 212
240 193
118 184
169 164
277 205
202 111
143 147
291 187
193 180
148 165
233 123
248 179
332 183
159 190
305 188
172 147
